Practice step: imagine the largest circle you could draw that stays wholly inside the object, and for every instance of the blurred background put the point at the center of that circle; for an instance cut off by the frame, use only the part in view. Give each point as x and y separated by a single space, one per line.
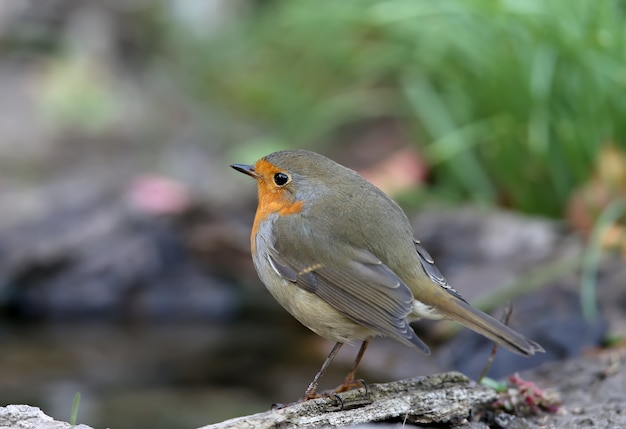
125 273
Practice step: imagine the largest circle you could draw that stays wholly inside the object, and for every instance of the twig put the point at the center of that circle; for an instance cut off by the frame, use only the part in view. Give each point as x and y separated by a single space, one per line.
508 310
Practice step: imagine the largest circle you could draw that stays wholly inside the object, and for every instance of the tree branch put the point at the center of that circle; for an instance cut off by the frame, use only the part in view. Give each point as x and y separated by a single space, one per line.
442 399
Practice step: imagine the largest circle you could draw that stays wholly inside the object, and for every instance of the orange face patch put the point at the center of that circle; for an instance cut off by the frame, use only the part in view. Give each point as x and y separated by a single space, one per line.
272 198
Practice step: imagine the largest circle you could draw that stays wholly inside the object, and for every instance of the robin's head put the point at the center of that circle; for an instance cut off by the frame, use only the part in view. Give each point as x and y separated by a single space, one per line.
291 175
291 181
283 180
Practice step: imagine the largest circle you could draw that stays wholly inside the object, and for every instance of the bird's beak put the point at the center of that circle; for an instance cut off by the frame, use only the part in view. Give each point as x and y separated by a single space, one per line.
246 169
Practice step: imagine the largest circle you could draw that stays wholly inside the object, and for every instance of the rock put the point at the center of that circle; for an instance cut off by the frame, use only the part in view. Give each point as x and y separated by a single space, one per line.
27 417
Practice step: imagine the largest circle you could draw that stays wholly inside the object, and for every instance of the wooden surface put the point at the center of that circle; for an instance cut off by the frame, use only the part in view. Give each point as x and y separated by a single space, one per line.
442 399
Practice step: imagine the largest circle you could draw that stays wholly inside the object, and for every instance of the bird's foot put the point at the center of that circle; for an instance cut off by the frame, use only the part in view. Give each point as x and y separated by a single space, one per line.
350 384
312 395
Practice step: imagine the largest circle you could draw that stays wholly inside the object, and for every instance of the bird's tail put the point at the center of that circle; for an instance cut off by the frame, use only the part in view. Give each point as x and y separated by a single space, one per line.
455 308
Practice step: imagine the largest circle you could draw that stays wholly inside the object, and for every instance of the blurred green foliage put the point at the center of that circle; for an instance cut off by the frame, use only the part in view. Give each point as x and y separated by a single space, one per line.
509 100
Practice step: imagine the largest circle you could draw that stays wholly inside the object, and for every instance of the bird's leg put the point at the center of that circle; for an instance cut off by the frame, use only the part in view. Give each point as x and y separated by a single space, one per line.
311 391
349 382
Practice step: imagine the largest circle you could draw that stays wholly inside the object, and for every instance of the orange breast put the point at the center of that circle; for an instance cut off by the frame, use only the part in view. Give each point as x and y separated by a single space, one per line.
272 199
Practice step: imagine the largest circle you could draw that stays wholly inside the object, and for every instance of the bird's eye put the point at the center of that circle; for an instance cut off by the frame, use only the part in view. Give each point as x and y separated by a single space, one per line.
281 179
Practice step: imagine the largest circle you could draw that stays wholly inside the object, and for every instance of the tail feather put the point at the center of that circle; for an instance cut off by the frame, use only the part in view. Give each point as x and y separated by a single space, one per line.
493 329
482 323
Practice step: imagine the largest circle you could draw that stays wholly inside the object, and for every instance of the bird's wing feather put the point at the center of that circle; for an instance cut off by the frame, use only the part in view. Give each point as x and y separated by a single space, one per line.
428 264
365 290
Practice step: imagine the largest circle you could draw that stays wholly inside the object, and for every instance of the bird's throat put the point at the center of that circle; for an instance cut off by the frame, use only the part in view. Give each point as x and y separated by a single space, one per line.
271 202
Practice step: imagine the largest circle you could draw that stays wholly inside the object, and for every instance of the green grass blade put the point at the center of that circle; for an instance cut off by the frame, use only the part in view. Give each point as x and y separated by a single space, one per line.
591 258
75 405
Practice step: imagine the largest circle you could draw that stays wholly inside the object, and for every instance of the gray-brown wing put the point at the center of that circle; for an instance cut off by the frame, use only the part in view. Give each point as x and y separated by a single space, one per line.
428 264
365 290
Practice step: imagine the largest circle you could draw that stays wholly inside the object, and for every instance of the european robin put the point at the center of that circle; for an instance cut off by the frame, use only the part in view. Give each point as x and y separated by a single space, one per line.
340 256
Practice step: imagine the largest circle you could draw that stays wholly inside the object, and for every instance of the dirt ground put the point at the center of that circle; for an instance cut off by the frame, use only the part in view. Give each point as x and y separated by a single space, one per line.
592 391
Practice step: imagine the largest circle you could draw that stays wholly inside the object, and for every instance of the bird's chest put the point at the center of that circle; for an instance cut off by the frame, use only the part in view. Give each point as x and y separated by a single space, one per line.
308 308
262 241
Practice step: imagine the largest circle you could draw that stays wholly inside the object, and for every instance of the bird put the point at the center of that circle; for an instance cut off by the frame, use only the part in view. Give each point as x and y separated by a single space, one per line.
341 257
